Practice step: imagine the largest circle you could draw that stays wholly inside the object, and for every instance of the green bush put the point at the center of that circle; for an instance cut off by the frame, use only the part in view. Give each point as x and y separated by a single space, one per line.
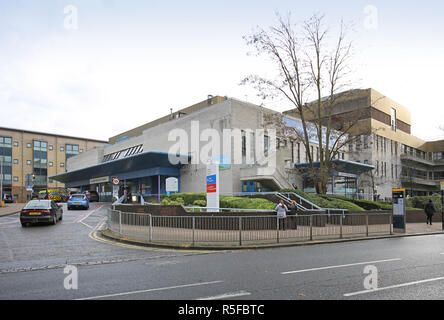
200 203
200 200
167 201
420 202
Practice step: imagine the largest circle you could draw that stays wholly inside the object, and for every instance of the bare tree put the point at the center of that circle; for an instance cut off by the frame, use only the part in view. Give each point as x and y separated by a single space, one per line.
311 66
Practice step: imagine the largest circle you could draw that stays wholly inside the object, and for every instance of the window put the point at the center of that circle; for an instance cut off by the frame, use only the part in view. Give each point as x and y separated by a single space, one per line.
16 144
81 150
62 149
28 145
16 161
50 180
16 179
393 119
62 164
50 147
51 163
266 143
28 162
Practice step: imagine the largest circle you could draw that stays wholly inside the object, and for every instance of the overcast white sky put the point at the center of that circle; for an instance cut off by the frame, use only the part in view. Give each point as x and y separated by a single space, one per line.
130 61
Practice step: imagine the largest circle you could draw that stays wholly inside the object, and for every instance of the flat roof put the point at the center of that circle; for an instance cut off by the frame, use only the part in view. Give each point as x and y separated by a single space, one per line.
135 163
51 134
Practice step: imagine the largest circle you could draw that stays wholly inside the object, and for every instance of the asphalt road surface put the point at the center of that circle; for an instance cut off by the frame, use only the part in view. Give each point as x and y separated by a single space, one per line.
33 261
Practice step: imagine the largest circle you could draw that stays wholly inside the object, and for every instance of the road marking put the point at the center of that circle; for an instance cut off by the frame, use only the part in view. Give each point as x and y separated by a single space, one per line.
87 225
340 266
83 217
227 295
392 287
151 290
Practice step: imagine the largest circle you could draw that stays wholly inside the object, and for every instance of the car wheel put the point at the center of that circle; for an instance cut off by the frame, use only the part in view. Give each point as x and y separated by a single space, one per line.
61 217
69 208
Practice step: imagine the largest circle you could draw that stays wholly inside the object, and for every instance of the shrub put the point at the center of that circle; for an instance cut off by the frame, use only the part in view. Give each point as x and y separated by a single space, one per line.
200 203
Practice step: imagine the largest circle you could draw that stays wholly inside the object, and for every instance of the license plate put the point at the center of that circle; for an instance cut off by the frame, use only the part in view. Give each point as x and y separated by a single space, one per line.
77 203
35 213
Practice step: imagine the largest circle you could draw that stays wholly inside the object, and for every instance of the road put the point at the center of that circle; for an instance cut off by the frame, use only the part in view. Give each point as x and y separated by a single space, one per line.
32 262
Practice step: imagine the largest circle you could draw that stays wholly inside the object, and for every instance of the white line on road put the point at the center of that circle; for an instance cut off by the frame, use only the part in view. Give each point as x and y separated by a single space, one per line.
341 266
227 295
392 287
151 290
83 217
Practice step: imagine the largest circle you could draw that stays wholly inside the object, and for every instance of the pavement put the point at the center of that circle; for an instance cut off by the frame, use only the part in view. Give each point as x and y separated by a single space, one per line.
11 208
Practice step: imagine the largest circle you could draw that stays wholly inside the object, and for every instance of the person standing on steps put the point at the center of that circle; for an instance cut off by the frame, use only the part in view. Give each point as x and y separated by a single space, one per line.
281 210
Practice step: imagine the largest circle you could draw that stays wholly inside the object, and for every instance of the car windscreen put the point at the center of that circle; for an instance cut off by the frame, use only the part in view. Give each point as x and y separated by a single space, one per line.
55 194
36 204
77 197
42 195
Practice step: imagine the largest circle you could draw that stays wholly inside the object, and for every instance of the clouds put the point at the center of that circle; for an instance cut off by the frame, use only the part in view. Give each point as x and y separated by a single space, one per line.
129 62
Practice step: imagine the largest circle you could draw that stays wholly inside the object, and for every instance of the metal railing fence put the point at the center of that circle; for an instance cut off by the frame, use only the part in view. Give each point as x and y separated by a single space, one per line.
245 230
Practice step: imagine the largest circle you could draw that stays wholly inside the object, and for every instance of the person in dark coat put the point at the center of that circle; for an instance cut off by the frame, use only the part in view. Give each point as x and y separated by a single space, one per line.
429 210
293 213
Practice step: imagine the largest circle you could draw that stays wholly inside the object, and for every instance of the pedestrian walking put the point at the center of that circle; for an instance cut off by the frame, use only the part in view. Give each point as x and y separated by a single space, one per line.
429 210
281 210
293 213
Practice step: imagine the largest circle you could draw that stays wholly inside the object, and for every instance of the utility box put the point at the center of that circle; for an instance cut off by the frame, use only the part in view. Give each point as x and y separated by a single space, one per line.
399 199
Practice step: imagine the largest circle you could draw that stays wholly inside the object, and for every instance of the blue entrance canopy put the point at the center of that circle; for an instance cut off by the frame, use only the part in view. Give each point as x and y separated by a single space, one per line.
145 164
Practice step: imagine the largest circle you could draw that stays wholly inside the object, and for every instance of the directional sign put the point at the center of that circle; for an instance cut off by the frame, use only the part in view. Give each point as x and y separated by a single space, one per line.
115 181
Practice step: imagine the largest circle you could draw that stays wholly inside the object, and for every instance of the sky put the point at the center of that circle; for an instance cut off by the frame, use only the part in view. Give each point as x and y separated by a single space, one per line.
96 68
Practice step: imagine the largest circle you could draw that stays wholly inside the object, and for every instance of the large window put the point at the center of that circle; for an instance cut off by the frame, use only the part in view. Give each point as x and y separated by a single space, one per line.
40 162
6 159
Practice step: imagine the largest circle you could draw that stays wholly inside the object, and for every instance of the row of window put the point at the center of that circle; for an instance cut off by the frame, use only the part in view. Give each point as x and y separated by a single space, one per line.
123 153
37 162
383 171
40 145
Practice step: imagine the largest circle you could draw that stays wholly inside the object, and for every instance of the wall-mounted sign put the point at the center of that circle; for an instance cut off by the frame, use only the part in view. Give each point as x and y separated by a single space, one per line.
172 184
99 180
115 181
442 185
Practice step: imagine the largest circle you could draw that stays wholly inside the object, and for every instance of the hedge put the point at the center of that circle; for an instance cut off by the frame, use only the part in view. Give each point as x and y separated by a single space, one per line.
200 200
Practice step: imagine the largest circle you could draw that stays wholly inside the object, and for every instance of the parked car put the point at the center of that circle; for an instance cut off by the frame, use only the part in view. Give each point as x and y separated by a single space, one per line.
41 211
7 198
78 200
93 196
